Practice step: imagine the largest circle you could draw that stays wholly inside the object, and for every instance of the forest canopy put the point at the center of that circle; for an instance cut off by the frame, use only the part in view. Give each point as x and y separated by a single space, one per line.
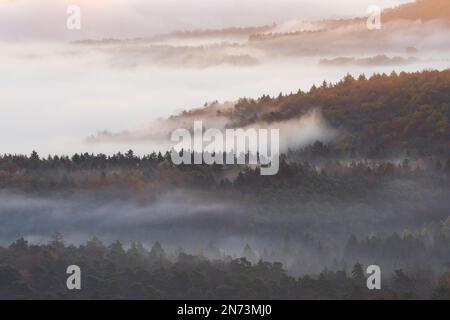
382 115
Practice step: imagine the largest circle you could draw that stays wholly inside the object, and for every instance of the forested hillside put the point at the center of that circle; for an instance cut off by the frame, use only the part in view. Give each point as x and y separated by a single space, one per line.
420 10
114 272
380 115
378 194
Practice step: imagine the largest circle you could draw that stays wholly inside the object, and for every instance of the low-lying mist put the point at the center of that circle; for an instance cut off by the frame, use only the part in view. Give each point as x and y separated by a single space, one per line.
284 230
294 133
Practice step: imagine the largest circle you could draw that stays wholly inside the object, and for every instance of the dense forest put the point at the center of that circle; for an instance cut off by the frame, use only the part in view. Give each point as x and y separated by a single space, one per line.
113 272
313 170
302 217
90 114
382 115
310 170
377 195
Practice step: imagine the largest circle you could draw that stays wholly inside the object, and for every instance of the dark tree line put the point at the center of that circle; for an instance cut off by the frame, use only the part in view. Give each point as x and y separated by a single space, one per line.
113 272
305 171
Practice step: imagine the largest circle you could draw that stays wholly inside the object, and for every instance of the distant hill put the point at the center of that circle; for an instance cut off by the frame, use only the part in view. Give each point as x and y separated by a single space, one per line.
381 115
424 10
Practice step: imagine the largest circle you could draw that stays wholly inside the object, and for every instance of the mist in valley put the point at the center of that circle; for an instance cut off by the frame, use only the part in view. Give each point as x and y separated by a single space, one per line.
103 91
306 235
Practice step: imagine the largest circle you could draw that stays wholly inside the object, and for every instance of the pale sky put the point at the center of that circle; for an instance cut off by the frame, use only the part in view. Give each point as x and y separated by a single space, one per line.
46 19
54 94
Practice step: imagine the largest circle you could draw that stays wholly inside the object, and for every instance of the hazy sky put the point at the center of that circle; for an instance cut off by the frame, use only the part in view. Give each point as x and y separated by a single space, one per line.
54 94
46 19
